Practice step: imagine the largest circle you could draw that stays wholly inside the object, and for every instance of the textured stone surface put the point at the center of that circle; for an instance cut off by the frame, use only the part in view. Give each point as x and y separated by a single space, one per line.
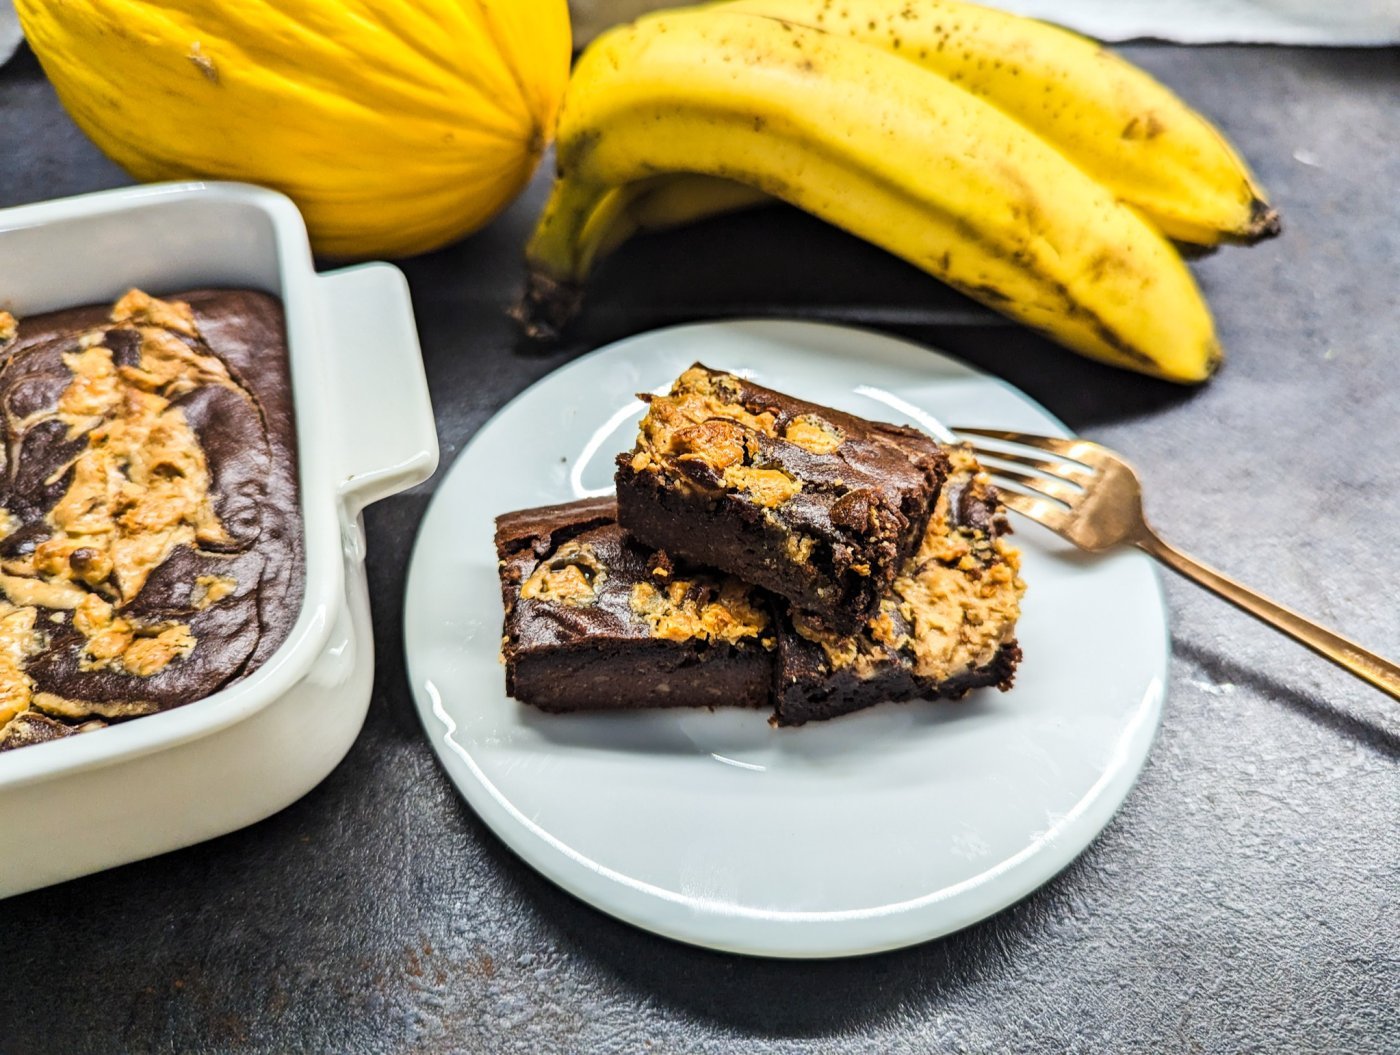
1244 899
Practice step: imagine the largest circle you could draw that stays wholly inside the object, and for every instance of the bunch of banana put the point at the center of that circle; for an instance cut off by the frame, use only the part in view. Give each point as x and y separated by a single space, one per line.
1015 161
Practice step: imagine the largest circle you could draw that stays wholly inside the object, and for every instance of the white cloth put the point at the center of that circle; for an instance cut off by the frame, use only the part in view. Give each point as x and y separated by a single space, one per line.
1312 22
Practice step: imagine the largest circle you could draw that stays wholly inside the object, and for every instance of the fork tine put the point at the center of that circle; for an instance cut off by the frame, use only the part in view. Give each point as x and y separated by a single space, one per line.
1041 510
1057 489
1067 470
1082 451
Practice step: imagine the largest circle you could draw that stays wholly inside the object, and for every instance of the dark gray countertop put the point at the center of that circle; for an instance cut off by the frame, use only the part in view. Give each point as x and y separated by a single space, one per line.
1244 898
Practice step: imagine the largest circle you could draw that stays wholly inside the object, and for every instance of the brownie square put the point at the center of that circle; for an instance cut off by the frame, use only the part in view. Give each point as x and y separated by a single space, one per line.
818 506
593 621
946 626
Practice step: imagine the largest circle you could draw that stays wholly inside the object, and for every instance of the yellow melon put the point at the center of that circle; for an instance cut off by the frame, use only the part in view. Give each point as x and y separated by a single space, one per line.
396 125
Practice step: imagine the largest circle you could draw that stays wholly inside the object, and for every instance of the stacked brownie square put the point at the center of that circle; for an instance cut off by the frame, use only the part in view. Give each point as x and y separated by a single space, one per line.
762 551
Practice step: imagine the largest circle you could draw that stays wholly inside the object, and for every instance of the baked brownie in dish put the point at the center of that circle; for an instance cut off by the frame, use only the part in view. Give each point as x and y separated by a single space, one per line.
947 624
818 506
593 621
150 531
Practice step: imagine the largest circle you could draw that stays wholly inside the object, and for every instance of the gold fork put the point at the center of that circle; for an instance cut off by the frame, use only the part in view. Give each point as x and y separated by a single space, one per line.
1087 494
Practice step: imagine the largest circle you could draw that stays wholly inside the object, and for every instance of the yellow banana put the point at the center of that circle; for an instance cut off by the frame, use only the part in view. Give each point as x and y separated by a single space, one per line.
561 258
874 145
674 201
1120 125
1110 118
659 204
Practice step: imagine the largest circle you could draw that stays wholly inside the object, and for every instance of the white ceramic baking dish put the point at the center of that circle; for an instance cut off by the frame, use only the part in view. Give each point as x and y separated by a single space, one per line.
364 431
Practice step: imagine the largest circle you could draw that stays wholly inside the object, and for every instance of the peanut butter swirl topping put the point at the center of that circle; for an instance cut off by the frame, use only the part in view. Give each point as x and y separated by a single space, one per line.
704 429
571 576
701 609
953 604
136 486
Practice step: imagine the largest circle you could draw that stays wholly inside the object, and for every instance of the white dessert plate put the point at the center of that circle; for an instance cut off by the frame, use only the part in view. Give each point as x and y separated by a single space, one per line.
870 832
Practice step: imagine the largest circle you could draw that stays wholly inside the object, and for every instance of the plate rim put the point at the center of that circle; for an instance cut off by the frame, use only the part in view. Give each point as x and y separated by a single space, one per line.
593 882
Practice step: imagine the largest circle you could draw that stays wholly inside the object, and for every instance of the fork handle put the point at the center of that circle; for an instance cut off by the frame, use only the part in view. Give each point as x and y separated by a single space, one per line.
1346 653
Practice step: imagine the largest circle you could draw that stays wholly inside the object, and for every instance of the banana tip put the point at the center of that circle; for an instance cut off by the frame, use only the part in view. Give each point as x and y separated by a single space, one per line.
1197 370
1215 355
1264 221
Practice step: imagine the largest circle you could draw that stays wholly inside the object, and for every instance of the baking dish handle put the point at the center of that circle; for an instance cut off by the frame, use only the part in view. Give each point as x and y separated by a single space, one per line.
388 441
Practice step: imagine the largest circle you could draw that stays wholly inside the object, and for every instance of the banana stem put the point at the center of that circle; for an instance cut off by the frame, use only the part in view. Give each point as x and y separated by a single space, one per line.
555 260
583 224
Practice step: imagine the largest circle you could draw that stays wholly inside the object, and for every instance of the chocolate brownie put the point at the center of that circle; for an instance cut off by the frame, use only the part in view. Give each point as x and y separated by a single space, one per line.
946 626
818 506
151 545
593 621
33 727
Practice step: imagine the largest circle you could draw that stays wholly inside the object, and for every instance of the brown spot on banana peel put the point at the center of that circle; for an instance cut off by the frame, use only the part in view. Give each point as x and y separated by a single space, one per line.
1149 365
772 186
1103 331
1106 262
1026 207
568 155
1145 127
988 295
